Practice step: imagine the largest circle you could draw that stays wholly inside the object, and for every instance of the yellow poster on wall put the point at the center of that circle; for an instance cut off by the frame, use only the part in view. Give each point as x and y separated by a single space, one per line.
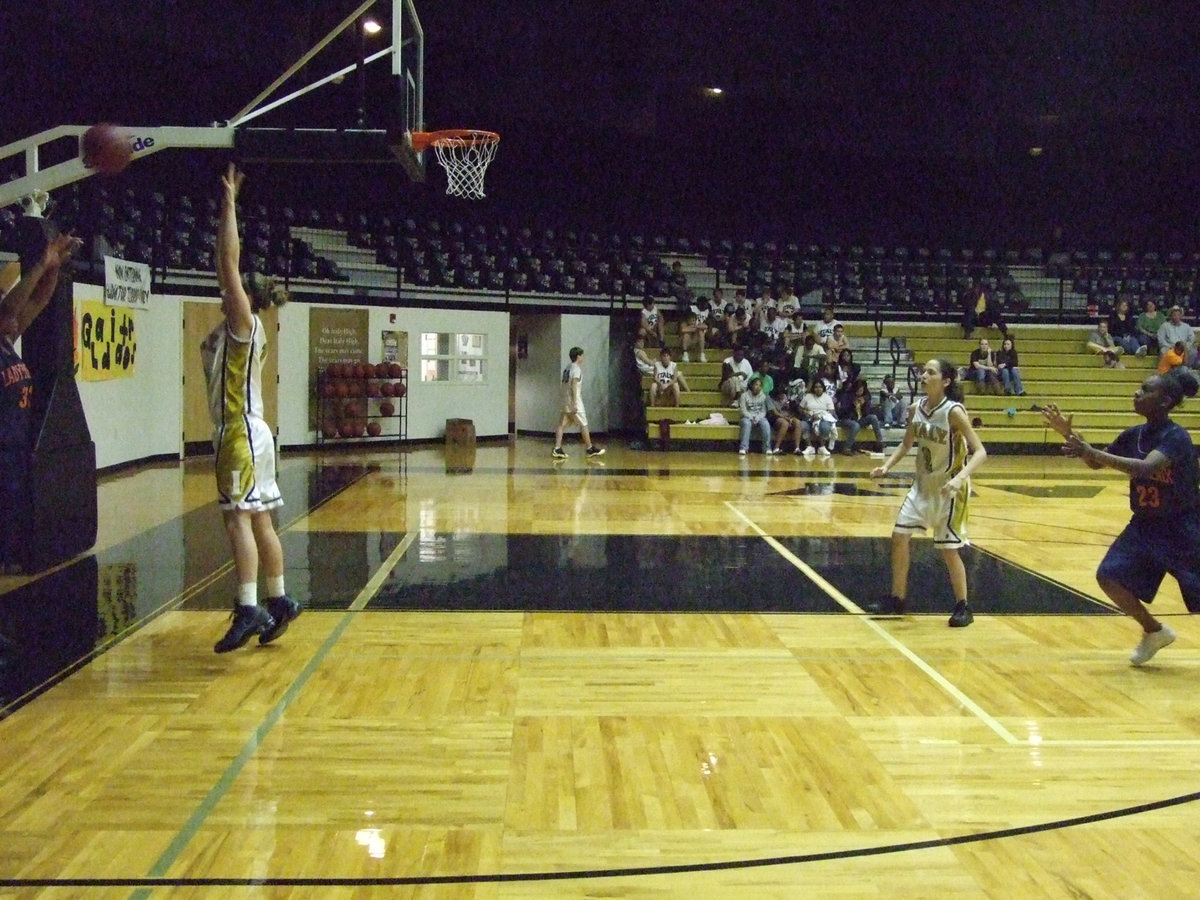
107 341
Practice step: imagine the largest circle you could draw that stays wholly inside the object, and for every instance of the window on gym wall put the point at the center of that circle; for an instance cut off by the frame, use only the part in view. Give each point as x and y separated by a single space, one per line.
447 356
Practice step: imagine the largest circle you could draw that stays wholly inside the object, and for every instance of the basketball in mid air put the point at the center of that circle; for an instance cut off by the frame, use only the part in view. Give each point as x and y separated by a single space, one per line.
107 148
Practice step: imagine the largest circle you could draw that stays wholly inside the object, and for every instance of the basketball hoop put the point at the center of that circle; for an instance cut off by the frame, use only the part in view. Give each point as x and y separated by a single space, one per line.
464 154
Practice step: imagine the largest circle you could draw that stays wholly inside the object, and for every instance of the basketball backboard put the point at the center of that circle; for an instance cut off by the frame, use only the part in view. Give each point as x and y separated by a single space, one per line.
51 159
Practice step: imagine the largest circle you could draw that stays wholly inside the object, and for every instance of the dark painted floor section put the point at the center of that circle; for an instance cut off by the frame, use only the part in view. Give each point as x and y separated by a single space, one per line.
56 622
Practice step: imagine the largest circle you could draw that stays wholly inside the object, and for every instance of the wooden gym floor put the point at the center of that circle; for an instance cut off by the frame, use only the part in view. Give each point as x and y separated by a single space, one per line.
645 676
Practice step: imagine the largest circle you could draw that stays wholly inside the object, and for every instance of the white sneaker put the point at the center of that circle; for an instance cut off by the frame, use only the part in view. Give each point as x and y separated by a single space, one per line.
685 356
741 453
823 453
703 358
809 452
1141 351
1150 644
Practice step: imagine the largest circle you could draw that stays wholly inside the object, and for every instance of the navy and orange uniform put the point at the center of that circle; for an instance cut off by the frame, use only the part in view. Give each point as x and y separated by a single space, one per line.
16 419
1163 537
16 396
1171 490
242 440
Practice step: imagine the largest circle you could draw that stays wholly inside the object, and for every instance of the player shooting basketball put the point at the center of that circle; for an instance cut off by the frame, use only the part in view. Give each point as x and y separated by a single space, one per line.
245 450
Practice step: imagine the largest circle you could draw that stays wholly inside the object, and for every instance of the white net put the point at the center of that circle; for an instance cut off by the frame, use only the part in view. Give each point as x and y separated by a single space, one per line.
465 157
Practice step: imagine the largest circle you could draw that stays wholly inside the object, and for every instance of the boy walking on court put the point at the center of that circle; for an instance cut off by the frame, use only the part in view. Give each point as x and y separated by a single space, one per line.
245 450
573 411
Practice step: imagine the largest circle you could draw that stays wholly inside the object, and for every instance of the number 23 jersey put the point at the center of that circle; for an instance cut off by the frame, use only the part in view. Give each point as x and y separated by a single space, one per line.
1172 489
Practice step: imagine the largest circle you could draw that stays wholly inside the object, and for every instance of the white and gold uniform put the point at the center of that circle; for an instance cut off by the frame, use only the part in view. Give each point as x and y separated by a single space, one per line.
941 454
243 442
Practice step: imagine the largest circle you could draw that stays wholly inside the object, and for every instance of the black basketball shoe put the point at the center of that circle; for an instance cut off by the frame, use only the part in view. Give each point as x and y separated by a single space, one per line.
247 622
283 610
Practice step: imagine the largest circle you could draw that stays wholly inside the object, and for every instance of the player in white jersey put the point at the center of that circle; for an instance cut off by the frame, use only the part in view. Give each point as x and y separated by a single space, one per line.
948 451
573 411
668 381
245 451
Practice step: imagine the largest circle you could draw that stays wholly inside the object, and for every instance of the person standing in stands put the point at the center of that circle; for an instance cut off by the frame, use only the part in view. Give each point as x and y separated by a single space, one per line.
573 411
1163 536
948 451
233 355
18 308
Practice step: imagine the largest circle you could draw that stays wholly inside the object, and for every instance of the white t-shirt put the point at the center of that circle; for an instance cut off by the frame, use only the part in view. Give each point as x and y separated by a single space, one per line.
572 380
742 368
824 330
644 363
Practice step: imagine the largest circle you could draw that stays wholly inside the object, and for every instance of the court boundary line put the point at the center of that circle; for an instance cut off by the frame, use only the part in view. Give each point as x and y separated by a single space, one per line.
146 884
983 715
851 607
233 771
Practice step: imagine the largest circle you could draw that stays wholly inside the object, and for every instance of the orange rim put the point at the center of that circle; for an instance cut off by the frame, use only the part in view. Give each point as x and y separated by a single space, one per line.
423 140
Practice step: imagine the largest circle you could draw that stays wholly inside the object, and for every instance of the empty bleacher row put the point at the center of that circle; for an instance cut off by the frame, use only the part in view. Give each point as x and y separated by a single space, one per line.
1105 277
383 248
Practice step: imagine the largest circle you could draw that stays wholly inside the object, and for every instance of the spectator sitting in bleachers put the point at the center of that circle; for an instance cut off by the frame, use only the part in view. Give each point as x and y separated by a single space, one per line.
785 419
684 296
1123 328
1175 356
650 327
789 308
736 323
1102 344
825 328
717 334
763 303
776 326
854 411
644 363
764 373
829 375
980 308
1148 324
1008 363
694 329
736 372
668 381
895 410
848 369
817 406
753 404
810 356
1175 330
837 342
982 369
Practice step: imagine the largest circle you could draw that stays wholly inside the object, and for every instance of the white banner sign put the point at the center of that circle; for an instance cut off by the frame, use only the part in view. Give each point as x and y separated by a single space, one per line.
126 283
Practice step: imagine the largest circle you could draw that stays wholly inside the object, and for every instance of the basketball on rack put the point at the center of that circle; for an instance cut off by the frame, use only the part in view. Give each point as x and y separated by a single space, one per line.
107 148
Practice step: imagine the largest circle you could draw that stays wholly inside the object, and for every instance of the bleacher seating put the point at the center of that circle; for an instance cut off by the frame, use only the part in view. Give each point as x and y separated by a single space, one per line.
1055 367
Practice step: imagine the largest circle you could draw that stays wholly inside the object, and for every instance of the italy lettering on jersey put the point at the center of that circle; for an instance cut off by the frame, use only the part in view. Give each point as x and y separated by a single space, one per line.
1172 490
941 452
664 375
